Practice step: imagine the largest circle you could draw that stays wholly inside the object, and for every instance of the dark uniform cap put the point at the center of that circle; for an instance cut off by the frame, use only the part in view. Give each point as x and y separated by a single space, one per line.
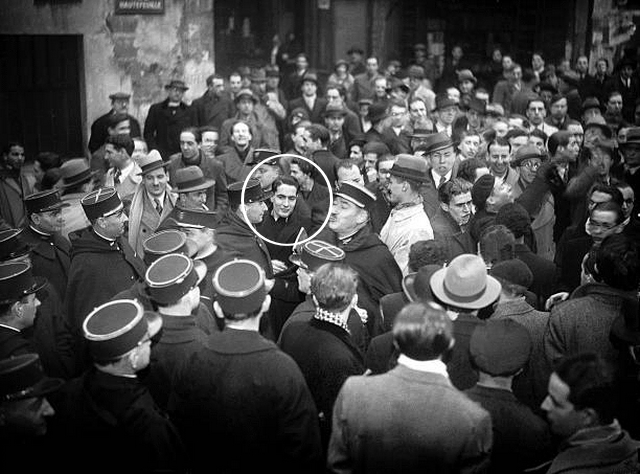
193 218
355 193
191 179
17 281
478 105
239 286
151 162
261 154
11 245
252 193
316 253
599 122
76 171
166 242
172 276
116 327
178 84
410 167
500 347
101 203
513 271
436 142
22 377
416 285
44 201
120 96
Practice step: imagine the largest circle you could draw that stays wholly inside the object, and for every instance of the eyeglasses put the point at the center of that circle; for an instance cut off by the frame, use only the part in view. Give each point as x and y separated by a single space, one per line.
531 165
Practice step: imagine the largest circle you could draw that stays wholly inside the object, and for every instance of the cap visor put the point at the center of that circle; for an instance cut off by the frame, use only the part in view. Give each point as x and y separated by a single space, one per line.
348 198
296 259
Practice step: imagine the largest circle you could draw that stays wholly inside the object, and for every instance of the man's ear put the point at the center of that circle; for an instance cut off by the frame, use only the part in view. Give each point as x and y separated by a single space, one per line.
218 310
444 207
266 304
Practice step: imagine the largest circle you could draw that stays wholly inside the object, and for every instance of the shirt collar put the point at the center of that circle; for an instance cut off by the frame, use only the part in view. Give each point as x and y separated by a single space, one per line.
126 171
432 366
436 176
333 318
160 198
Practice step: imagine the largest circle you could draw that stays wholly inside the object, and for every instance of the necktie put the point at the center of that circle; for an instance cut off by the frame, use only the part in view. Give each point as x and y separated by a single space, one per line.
442 181
116 176
158 206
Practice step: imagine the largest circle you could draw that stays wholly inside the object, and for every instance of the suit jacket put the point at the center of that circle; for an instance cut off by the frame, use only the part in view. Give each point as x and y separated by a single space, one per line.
448 232
236 237
212 110
50 257
13 189
234 168
629 94
99 130
144 219
327 162
407 421
217 197
242 387
317 205
397 143
164 124
315 114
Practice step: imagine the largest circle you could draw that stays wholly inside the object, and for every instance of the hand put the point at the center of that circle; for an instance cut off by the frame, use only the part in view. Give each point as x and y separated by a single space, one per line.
555 299
268 284
278 266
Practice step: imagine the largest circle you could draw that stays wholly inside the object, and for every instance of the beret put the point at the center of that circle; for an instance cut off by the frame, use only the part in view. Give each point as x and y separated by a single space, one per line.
500 347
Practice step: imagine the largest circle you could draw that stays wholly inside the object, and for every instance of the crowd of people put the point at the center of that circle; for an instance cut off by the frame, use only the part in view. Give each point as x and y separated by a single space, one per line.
396 269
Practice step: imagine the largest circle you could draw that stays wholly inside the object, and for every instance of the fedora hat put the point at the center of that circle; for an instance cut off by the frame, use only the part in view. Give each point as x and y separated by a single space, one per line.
466 75
259 75
22 377
377 112
633 137
416 285
44 201
465 284
151 162
436 142
310 76
76 171
118 326
443 101
410 167
17 281
192 218
246 93
335 109
526 152
190 179
178 84
599 122
591 103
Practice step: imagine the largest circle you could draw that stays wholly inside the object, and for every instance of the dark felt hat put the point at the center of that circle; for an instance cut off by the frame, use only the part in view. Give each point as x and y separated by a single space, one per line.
190 179
76 171
526 152
253 192
379 148
120 96
335 109
478 105
44 201
465 283
377 112
633 137
178 84
598 121
261 154
315 253
117 327
443 101
421 133
11 245
500 347
172 276
416 286
410 167
591 103
101 203
22 377
355 193
310 76
17 281
513 271
239 286
166 242
259 75
301 113
151 162
436 142
246 93
466 75
482 189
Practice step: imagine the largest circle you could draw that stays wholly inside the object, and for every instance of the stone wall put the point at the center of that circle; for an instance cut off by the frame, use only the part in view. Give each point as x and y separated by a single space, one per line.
132 53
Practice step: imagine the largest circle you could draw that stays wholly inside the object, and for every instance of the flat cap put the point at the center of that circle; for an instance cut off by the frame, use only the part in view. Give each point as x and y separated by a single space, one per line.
44 201
315 253
17 281
172 276
239 286
102 202
500 347
23 377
